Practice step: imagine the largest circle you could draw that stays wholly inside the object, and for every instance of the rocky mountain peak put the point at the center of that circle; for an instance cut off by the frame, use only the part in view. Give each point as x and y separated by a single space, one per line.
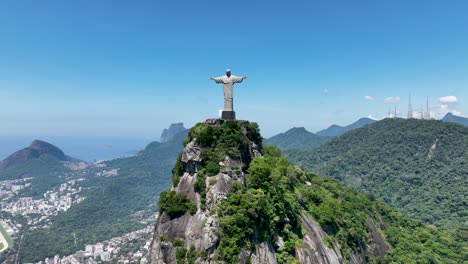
297 130
297 138
449 117
34 151
210 172
169 133
43 147
203 181
336 130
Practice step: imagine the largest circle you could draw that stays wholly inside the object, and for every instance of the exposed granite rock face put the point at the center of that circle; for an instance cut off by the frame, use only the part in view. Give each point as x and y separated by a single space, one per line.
198 231
255 152
264 253
315 250
174 129
191 157
378 247
185 186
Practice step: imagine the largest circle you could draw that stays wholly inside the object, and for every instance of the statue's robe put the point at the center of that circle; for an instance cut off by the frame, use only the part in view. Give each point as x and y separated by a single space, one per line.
228 83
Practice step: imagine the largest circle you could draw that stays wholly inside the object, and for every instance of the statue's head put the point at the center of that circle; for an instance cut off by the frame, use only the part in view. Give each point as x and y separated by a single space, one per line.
228 73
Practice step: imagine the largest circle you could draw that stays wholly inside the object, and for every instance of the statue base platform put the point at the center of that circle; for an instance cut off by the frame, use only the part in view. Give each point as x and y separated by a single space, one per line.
228 115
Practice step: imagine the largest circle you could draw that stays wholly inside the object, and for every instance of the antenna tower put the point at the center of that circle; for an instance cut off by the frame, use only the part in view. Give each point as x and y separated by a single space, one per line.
410 108
428 109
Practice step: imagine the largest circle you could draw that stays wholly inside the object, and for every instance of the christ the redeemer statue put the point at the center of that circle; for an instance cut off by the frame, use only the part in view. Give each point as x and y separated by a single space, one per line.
228 81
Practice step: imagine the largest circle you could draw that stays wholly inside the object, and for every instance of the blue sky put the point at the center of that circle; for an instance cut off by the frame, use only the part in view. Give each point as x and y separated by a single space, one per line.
130 68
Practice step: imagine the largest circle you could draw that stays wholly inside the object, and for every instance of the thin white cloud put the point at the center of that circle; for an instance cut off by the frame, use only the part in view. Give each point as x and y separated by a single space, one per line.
369 97
440 111
374 117
395 99
449 99
416 114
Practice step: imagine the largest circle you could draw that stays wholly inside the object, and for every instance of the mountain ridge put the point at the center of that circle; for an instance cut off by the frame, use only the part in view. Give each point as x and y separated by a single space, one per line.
449 117
296 138
111 202
336 130
169 133
234 200
411 164
34 151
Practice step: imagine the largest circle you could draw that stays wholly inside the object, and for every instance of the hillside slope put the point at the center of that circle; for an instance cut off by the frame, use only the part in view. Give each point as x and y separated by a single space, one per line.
234 201
37 149
112 203
449 117
41 161
418 166
336 130
296 138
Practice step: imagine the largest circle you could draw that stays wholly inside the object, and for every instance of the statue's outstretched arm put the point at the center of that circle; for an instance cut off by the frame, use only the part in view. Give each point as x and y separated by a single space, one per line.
217 79
239 79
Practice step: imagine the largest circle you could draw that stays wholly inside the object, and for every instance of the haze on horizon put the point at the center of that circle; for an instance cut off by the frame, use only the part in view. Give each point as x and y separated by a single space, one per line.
127 69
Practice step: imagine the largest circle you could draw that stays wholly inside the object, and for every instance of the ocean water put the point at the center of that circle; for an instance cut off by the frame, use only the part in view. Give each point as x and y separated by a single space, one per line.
84 148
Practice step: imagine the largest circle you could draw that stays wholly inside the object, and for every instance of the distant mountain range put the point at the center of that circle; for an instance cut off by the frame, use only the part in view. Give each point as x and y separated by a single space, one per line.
172 131
283 214
418 166
36 150
86 148
336 130
41 161
391 159
449 117
296 138
111 202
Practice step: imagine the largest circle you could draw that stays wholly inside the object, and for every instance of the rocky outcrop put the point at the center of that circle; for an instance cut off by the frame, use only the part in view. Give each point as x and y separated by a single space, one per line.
169 133
264 253
315 249
189 228
198 231
432 150
318 248
191 157
378 246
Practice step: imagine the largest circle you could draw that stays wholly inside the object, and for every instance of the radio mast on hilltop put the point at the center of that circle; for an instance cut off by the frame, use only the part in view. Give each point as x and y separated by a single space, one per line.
394 115
428 109
410 108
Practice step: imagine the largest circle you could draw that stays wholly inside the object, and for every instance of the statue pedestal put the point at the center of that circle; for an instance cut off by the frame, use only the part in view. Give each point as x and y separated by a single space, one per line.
228 115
